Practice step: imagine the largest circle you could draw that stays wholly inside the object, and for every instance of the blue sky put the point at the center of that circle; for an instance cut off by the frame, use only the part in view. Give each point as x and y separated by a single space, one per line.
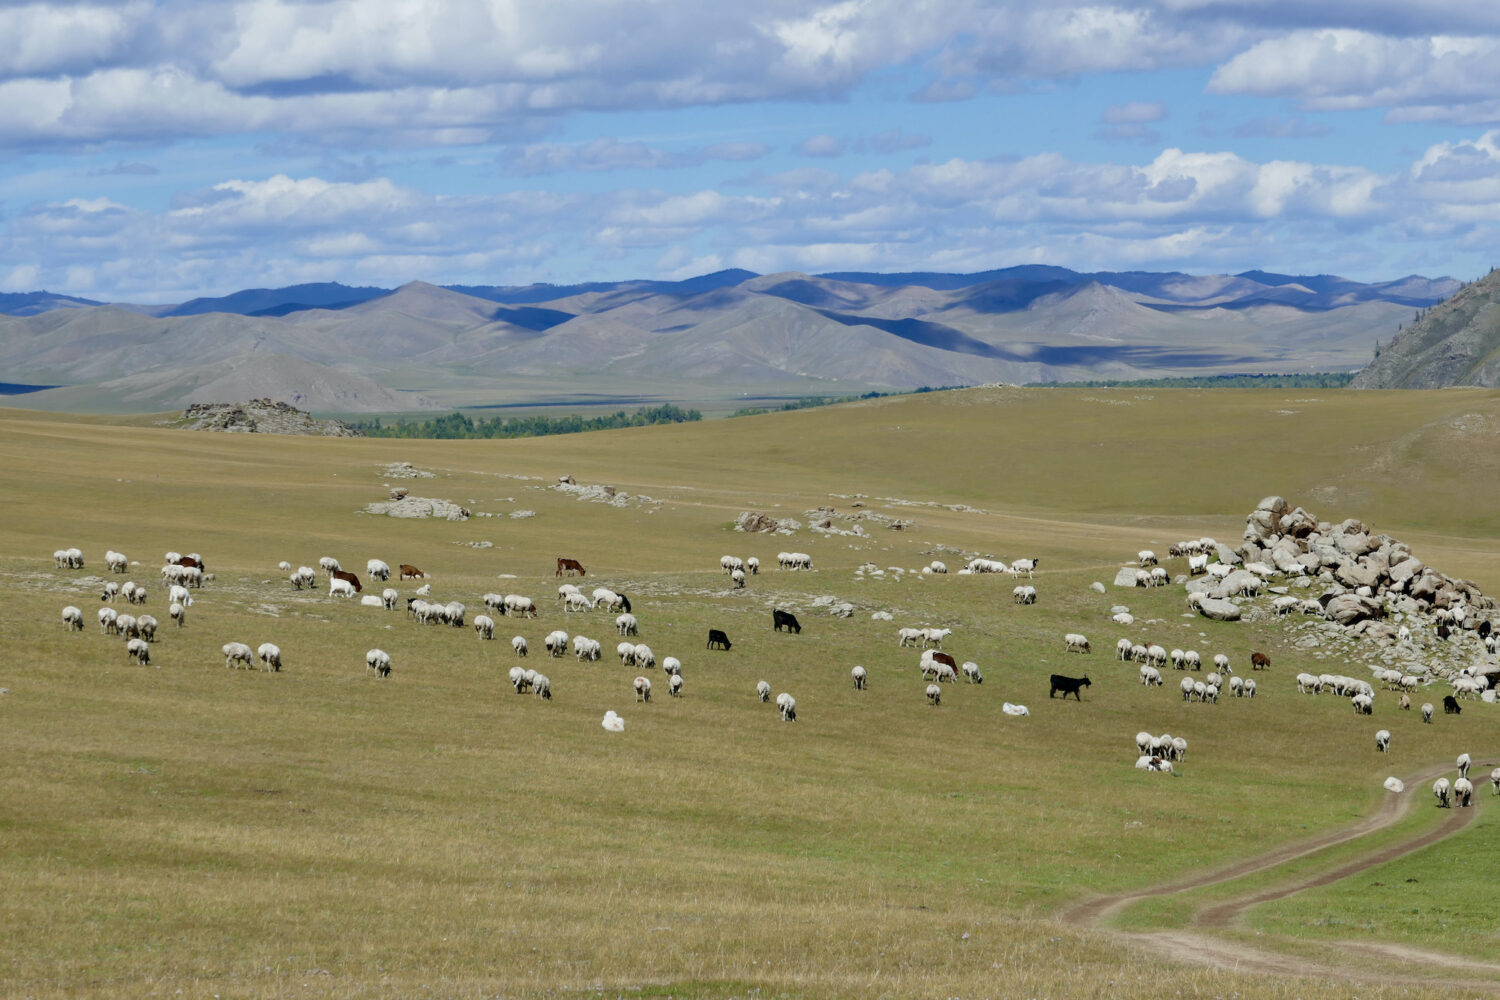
153 150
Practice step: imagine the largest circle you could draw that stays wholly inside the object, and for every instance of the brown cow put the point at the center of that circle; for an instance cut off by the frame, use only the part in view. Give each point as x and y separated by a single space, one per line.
411 571
339 574
569 566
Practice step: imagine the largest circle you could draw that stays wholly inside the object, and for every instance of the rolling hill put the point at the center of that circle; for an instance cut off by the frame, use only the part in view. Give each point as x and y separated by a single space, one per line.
1455 343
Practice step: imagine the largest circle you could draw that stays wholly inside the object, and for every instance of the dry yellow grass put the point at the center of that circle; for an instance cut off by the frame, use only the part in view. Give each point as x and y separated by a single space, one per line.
322 833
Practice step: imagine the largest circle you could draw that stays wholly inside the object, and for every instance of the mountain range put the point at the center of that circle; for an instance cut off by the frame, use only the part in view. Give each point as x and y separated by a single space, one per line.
727 335
1456 342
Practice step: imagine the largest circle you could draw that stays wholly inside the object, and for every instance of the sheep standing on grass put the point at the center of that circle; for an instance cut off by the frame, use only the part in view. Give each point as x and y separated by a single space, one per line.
146 626
518 679
1495 779
1076 643
1427 712
643 689
108 618
674 686
178 614
626 624
270 656
484 626
1383 741
236 653
73 618
1463 764
378 661
1441 789
541 686
110 592
859 674
518 643
788 706
763 691
1463 792
934 694
971 672
139 650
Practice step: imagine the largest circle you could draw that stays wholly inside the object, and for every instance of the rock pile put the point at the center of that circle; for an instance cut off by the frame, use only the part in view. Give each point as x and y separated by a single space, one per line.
749 520
259 416
410 506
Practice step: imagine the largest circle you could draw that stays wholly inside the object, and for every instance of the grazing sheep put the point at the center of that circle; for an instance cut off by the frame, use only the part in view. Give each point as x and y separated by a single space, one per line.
1237 687
788 706
738 578
935 636
860 676
377 570
146 627
643 656
541 686
178 594
1495 780
1150 676
1197 564
1146 557
127 626
108 621
518 679
1427 712
1249 687
674 686
284 566
304 579
556 643
763 691
378 661
1026 566
519 606
1156 655
1076 643
518 643
1308 683
340 588
484 626
971 672
1191 660
671 666
178 614
1213 679
327 563
753 565
236 653
626 624
909 636
586 649
1187 687
1123 650
73 618
139 650
626 652
1363 704
934 694
116 561
1463 763
110 592
270 656
1463 791
643 689
1441 790
1383 740
577 602
1221 663
937 567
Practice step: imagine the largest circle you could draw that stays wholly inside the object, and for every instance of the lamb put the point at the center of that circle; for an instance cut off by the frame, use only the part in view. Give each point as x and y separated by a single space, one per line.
107 621
518 643
73 618
116 561
270 656
139 650
861 678
1427 712
377 570
178 614
1463 765
1076 643
934 694
378 661
763 691
788 706
556 643
674 686
1463 791
643 689
236 653
909 635
935 636
626 624
971 672
340 588
1383 740
484 626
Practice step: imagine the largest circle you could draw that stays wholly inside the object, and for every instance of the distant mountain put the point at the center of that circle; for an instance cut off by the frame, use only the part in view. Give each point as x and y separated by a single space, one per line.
1455 343
33 303
724 335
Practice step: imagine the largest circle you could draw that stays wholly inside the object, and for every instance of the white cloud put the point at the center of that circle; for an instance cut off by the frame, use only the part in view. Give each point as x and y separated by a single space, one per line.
1134 113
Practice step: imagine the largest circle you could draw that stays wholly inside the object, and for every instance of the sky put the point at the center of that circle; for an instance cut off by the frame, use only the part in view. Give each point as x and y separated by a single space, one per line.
157 150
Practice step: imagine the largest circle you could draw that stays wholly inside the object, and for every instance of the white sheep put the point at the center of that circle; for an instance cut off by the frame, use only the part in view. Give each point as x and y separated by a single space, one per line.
304 578
626 652
284 566
1383 740
1150 676
935 636
577 603
116 561
1221 663
1188 687
328 563
971 672
178 614
146 627
1463 792
1463 763
1156 655
178 594
378 661
674 686
73 618
127 627
424 591
586 649
643 689
541 686
671 666
107 621
556 643
1160 577
484 626
626 624
1027 566
110 592
909 636
139 650
1495 780
860 677
518 606
934 694
1076 643
388 598
644 657
518 643
236 653
377 570
604 597
1363 704
1237 687
752 565
1197 564
937 567
1122 649
1146 557
738 578
270 656
763 691
731 563
340 588
788 706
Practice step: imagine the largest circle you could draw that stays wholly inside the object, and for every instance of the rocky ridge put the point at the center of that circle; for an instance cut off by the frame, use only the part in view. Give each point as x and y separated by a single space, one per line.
259 416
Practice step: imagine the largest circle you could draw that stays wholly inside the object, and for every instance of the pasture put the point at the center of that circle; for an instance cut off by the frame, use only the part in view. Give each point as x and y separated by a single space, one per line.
321 832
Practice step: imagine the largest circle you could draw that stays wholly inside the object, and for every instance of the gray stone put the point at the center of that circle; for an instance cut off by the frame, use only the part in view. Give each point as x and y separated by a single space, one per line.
1356 574
1097 587
1228 556
1219 611
1232 584
1347 609
1275 505
1126 576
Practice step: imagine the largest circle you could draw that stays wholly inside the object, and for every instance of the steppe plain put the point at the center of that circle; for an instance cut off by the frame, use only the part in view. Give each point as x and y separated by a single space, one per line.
183 829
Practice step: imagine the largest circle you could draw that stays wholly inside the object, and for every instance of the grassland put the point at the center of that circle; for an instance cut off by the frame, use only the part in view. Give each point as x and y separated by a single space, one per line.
321 833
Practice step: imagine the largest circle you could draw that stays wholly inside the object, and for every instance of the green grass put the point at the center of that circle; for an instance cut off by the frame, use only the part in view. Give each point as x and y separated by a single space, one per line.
319 832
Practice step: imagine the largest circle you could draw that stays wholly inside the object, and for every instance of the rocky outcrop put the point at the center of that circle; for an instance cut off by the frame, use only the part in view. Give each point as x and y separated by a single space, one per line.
259 416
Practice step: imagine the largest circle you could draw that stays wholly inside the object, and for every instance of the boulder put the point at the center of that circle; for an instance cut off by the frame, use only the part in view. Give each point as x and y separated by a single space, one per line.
1219 611
1356 574
1274 505
1348 609
1285 559
1097 587
1232 584
1228 556
1126 576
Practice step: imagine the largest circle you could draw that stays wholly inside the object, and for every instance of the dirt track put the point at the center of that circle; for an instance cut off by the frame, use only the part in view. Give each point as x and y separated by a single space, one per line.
1198 943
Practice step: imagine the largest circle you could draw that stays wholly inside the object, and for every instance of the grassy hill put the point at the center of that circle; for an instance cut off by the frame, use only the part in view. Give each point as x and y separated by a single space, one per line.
319 832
